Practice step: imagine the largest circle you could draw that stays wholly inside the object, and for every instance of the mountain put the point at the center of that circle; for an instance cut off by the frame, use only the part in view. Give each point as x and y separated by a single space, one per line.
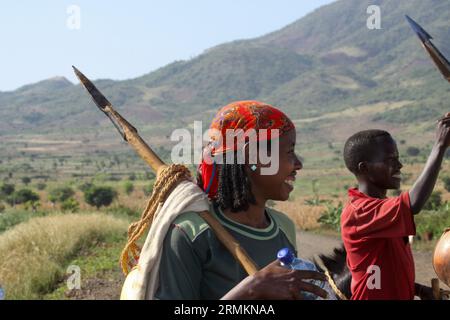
322 66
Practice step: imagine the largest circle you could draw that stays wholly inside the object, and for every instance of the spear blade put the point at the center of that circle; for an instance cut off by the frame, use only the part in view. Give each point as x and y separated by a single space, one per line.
438 58
128 132
98 98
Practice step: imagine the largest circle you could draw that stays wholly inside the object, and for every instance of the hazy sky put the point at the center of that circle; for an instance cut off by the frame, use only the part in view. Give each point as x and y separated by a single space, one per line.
125 39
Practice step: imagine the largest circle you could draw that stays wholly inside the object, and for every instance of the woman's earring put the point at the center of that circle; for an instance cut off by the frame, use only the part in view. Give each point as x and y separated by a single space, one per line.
253 167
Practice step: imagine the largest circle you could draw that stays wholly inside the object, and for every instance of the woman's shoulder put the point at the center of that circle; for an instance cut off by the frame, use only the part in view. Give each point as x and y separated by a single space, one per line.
285 223
280 217
191 223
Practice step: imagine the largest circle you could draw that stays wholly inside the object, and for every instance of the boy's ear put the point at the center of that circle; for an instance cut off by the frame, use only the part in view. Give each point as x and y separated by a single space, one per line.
362 167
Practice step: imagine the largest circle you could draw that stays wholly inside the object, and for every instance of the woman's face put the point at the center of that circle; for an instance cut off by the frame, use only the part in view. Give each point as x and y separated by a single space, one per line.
277 186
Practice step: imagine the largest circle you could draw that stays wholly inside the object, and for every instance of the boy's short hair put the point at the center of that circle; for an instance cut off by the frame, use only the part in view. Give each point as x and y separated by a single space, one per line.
359 147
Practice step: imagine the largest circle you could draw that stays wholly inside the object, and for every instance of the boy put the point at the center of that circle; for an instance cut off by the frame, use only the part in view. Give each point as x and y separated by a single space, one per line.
374 228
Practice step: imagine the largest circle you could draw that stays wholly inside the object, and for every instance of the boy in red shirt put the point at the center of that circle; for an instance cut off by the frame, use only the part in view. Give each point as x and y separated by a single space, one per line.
375 228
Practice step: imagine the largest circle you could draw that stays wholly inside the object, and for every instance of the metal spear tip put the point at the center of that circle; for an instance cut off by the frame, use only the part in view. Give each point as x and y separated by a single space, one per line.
99 99
421 33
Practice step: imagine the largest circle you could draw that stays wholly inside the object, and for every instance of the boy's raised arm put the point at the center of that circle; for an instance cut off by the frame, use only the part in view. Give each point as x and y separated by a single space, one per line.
424 185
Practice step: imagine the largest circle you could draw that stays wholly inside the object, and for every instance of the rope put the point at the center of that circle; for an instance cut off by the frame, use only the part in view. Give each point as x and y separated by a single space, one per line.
167 180
330 279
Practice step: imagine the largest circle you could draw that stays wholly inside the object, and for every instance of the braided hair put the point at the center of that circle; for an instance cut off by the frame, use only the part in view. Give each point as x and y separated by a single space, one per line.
234 190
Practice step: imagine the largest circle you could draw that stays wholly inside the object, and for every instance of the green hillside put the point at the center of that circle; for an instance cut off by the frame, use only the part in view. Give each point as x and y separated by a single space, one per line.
326 62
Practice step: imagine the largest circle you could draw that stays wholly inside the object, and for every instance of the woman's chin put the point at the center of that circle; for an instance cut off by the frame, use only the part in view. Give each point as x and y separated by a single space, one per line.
286 190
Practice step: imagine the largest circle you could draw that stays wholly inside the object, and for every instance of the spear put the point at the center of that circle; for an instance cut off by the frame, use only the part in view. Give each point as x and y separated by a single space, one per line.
441 256
126 130
438 58
130 134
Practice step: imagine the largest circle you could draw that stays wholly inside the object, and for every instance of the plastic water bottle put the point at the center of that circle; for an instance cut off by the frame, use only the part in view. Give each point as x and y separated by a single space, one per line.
288 259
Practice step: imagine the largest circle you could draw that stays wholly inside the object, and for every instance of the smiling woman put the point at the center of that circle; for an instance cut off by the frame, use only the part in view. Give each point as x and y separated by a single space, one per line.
194 264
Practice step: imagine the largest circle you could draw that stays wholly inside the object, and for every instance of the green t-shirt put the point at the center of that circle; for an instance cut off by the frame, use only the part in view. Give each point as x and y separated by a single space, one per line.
195 264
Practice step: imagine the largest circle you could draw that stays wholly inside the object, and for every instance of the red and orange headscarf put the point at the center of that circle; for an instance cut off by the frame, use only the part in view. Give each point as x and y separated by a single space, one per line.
243 115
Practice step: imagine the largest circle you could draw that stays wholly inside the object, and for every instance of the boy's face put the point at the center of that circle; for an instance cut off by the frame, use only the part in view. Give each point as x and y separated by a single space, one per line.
383 170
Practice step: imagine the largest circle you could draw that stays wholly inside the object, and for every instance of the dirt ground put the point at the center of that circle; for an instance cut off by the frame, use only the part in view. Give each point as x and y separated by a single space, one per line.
109 285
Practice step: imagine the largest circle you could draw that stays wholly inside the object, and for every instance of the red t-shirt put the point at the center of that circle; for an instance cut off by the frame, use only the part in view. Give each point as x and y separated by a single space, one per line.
374 232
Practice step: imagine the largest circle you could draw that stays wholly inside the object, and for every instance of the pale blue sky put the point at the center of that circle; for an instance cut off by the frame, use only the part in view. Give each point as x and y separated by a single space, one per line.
125 39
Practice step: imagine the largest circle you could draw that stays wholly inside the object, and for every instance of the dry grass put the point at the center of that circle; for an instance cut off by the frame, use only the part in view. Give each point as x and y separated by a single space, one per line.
304 216
33 253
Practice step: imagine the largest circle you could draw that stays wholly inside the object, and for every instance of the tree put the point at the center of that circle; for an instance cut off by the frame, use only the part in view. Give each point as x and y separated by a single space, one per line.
22 196
100 196
26 180
7 189
132 177
61 194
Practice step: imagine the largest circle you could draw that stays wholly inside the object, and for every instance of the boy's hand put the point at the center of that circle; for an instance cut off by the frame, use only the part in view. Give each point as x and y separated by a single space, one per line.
443 131
422 188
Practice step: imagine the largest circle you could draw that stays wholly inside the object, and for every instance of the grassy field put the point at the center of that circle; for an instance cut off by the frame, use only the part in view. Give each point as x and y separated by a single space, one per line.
37 245
36 253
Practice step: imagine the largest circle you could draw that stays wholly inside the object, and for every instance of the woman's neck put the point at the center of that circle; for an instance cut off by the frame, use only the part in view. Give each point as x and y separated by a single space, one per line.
254 216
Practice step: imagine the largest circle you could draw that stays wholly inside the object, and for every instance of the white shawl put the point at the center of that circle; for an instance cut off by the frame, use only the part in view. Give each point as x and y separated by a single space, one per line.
143 280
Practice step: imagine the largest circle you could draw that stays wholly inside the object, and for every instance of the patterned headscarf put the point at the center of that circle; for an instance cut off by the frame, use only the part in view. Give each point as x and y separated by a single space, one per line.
243 115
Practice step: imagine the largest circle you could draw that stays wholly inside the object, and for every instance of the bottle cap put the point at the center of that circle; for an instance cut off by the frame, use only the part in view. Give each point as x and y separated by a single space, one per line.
286 256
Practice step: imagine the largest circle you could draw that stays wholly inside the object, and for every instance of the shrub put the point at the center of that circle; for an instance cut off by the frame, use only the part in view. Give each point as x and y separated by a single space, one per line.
22 196
7 189
434 201
331 217
148 189
32 204
129 187
446 181
61 194
413 151
122 211
41 186
432 222
100 196
13 217
85 186
71 205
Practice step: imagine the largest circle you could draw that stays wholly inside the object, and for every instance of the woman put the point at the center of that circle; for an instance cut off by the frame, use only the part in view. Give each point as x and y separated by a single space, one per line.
194 264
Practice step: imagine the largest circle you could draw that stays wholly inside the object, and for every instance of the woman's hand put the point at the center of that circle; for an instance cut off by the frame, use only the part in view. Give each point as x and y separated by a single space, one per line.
275 282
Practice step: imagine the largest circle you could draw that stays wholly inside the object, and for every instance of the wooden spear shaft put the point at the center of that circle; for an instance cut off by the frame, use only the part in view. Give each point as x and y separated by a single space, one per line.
131 135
